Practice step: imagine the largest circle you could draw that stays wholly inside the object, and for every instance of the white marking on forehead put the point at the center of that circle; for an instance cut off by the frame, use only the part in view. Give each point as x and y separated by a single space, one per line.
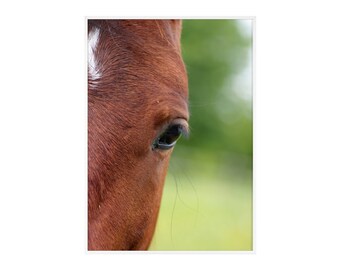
93 69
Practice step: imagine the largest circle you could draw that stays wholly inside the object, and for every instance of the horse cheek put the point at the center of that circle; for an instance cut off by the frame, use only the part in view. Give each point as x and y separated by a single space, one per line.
156 181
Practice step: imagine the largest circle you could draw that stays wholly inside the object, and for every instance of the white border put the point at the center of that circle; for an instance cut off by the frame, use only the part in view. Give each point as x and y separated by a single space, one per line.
296 134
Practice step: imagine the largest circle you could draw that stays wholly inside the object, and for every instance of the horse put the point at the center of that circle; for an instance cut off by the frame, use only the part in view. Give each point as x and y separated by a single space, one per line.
137 110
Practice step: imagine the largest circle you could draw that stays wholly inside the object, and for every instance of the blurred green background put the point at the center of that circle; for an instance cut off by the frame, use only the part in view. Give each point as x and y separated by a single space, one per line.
207 200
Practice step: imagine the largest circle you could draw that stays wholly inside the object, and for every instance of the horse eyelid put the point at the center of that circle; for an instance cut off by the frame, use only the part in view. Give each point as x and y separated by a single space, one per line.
185 131
161 146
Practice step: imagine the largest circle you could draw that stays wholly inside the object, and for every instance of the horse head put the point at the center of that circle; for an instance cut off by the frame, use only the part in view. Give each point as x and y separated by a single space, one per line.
137 109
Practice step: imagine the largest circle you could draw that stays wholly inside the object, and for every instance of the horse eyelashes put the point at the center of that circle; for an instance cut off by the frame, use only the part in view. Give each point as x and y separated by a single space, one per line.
168 138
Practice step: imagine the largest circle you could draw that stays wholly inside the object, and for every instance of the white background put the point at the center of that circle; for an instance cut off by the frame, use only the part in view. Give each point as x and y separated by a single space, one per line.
43 145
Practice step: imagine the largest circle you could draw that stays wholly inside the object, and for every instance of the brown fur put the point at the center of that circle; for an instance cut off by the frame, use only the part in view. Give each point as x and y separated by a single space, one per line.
142 88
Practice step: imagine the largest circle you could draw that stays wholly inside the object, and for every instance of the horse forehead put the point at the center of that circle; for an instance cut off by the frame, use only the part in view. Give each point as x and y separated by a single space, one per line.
141 54
139 62
150 30
149 44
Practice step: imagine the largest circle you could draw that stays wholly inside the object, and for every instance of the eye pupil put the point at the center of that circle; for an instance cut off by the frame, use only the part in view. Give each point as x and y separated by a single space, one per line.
169 138
170 135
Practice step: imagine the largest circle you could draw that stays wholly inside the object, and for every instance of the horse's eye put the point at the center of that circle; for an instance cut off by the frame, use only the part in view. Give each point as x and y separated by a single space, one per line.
168 138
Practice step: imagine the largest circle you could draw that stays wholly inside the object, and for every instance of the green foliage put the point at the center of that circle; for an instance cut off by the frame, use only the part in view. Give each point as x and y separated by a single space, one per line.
214 51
